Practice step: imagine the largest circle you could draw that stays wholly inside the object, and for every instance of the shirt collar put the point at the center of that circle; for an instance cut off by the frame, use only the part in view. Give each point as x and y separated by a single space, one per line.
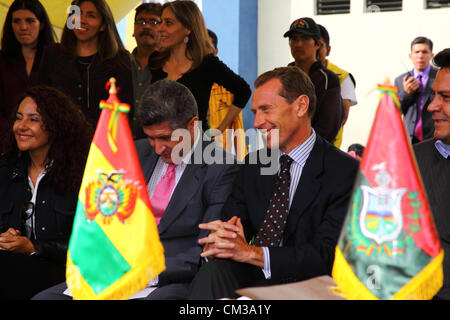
424 73
443 148
301 153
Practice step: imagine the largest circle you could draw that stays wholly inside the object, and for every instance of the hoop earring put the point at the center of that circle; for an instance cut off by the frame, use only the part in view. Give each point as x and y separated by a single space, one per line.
186 39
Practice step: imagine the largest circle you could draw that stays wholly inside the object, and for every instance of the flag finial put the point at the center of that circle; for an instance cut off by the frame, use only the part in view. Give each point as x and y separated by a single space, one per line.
112 86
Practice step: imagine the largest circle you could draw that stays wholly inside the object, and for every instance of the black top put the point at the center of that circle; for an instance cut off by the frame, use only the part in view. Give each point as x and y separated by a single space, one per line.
327 119
201 79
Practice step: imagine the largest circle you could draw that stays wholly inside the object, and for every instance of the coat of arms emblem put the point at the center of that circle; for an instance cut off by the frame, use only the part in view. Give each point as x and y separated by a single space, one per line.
381 216
110 195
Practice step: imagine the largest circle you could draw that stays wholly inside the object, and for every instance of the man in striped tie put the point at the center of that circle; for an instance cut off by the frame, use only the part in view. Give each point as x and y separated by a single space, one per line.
282 227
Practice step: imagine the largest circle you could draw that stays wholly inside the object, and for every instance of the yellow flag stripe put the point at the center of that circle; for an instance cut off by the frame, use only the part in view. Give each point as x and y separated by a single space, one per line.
123 236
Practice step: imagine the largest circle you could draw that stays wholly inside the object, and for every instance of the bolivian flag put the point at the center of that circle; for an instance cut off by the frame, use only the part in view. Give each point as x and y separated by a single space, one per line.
388 247
114 250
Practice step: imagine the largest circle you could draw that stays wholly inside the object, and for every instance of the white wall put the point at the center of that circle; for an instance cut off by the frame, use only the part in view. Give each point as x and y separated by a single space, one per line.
369 45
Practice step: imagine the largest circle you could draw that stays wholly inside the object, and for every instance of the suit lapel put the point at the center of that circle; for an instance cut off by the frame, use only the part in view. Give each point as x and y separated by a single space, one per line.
148 165
186 188
308 186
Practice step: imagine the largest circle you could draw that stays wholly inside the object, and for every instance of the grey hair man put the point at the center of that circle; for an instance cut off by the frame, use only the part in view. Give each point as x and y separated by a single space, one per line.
182 193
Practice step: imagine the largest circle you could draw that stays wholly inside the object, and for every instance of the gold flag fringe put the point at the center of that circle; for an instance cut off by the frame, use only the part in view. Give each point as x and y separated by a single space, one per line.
423 286
132 282
349 285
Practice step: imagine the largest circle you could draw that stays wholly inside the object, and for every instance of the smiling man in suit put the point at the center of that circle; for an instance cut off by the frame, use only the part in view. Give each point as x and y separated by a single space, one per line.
415 93
188 181
284 227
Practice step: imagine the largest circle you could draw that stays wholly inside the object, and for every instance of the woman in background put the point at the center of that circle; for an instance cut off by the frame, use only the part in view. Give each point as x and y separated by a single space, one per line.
40 176
87 57
26 31
187 56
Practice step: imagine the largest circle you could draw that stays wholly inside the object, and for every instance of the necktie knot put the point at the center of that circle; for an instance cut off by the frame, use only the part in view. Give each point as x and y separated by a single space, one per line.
285 163
171 168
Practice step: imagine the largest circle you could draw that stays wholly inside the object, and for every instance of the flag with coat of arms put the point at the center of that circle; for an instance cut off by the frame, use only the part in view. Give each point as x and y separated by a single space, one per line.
114 250
388 247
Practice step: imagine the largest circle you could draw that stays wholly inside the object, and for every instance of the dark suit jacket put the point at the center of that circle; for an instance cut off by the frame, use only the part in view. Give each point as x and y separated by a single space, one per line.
409 106
198 197
54 211
315 217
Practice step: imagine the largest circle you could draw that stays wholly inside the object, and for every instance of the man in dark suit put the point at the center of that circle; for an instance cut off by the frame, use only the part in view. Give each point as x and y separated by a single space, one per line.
314 183
433 158
201 182
414 91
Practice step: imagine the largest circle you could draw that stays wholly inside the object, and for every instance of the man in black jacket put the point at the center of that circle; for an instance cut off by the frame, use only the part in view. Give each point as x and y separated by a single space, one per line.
433 158
282 227
304 40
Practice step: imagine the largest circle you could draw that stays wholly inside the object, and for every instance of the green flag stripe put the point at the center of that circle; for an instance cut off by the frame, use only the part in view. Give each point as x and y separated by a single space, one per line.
92 252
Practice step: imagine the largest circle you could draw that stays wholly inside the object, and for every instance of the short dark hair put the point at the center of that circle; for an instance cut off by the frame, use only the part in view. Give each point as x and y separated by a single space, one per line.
213 37
423 40
324 34
294 82
442 59
357 148
167 100
154 8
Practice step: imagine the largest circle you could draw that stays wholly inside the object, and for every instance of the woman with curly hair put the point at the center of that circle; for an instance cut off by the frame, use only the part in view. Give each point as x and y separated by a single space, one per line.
40 176
26 31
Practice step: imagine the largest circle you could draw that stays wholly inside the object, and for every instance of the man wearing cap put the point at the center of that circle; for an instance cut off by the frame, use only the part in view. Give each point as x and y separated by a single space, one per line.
304 40
345 79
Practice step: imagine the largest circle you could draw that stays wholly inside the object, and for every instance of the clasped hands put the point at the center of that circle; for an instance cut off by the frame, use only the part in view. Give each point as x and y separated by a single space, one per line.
227 241
12 240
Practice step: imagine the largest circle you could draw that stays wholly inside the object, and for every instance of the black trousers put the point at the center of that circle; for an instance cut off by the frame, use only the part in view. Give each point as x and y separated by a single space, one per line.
172 291
220 278
22 276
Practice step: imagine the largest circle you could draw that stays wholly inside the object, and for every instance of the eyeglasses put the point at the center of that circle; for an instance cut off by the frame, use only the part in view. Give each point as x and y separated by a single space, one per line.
152 22
27 213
